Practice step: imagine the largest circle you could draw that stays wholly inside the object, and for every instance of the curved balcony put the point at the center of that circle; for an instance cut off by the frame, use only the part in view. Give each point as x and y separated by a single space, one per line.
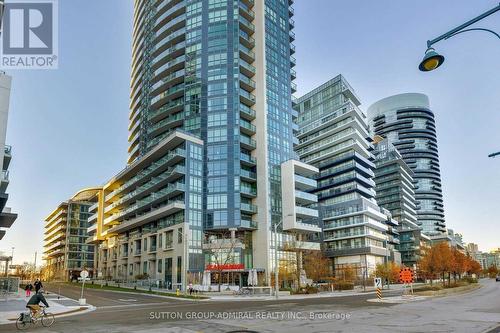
170 14
166 110
171 80
168 68
172 121
164 97
171 26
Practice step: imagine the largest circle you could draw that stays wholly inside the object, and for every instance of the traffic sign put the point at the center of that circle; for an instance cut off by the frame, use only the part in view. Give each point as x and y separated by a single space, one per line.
84 274
377 282
406 275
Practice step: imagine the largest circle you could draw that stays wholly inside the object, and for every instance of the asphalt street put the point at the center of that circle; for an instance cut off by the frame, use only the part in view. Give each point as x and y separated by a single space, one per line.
477 311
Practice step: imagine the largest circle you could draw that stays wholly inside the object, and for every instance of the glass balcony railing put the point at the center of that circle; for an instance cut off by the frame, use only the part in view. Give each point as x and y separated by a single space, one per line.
248 174
169 51
247 25
306 196
248 97
147 201
247 68
168 39
170 24
247 112
306 181
248 207
247 141
249 41
248 158
248 126
169 120
146 172
168 78
169 64
167 93
169 12
167 108
247 81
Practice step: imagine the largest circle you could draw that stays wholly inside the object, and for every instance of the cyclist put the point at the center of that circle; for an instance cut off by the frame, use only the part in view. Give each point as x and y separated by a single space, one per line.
34 302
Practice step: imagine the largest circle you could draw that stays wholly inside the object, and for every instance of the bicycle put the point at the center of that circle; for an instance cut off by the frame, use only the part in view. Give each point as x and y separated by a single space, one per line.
242 292
26 319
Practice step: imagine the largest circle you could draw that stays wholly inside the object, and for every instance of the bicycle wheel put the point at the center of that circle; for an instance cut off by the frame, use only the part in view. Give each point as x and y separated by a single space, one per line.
47 319
22 324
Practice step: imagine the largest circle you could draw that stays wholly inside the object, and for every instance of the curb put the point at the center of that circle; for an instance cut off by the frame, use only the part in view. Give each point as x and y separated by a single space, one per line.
82 309
449 291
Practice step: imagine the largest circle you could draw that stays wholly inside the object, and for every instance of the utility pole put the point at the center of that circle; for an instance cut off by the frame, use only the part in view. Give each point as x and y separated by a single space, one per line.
34 267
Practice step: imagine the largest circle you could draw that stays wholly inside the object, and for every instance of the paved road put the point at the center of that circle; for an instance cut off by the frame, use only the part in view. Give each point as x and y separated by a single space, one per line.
104 298
476 311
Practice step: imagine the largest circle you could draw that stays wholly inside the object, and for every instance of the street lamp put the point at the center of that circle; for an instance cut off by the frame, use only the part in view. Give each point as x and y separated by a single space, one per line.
494 154
433 60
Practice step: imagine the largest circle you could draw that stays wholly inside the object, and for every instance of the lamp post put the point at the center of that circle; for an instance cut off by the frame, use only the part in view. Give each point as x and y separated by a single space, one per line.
276 284
433 60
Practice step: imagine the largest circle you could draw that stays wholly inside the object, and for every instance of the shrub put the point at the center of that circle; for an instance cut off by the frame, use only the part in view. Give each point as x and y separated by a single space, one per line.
343 285
469 279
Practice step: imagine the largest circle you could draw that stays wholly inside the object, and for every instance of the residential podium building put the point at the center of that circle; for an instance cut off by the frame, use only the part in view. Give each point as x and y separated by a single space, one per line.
333 137
211 130
7 217
407 122
66 252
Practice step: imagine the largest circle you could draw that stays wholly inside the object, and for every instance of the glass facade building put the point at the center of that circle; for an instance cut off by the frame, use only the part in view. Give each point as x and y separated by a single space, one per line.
66 251
407 122
395 190
218 75
333 136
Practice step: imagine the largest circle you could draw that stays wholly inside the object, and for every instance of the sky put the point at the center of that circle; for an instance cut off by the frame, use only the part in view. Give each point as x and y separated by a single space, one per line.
68 127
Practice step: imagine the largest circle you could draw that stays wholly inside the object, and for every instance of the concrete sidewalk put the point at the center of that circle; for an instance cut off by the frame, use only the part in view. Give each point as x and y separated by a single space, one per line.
356 292
58 305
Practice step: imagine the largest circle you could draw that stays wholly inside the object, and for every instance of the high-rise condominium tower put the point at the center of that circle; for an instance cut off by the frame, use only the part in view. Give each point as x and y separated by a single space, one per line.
395 192
215 75
333 136
407 122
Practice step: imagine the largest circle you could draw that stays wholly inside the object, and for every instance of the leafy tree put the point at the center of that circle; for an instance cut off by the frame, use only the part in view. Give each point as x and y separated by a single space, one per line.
316 265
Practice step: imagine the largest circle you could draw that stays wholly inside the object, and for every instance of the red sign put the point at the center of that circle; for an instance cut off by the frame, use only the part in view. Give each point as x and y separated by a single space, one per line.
406 275
225 267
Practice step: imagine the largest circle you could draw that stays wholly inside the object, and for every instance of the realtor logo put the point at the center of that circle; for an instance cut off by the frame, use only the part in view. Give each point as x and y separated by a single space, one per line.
29 34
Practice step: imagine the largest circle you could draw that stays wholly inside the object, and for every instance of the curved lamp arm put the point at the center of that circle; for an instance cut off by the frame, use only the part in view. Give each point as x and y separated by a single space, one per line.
473 29
461 28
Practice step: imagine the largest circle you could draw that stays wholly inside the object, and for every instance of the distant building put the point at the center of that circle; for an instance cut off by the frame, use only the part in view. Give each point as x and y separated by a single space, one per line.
407 121
7 218
395 192
66 252
333 136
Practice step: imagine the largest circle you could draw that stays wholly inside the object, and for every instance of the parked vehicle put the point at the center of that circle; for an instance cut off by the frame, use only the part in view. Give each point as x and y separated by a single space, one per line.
498 278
